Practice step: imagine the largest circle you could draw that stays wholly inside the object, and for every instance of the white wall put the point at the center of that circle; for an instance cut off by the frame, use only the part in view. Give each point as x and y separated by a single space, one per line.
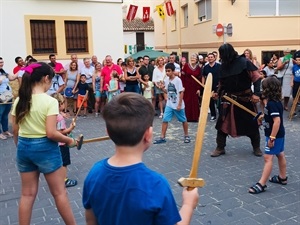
107 28
129 38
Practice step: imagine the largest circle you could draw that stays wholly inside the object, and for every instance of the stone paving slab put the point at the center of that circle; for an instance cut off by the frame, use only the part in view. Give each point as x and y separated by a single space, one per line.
223 201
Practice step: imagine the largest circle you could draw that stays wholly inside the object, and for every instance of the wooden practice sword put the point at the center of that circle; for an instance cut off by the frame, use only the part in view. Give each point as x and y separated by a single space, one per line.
192 181
256 115
81 141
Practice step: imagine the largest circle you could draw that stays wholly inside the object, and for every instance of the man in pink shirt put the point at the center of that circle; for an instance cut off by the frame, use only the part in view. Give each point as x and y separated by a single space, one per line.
105 74
58 67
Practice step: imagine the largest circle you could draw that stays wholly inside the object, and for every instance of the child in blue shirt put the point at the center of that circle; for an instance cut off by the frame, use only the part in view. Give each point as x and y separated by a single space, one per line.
296 76
121 190
274 132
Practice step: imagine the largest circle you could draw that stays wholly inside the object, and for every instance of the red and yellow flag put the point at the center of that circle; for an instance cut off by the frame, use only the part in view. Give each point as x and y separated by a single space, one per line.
161 12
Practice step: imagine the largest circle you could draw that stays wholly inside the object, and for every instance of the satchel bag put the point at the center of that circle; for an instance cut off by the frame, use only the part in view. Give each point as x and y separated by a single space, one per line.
6 96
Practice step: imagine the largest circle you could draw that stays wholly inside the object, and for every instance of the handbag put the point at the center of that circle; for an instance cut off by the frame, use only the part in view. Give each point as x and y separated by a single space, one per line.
6 96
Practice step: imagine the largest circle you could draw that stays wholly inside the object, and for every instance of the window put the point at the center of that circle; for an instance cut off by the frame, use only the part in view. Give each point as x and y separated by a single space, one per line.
61 35
204 10
43 36
185 15
274 7
76 36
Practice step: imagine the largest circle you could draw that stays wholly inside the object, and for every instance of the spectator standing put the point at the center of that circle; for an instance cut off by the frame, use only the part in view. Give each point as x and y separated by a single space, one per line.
105 77
20 64
132 77
159 74
4 108
72 77
88 71
192 88
96 87
214 68
285 73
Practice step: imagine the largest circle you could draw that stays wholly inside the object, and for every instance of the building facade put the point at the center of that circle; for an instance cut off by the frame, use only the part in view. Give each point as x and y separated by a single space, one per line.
263 26
137 35
62 27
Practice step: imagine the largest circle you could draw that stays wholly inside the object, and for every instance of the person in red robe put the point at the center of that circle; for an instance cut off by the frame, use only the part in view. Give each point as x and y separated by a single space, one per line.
192 88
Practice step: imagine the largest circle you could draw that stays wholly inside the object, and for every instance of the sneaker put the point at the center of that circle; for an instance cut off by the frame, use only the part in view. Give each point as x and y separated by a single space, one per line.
84 116
217 152
96 114
70 183
213 118
160 141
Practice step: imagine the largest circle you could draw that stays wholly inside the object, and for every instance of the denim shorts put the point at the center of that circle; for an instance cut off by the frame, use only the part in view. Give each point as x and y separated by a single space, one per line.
169 112
38 154
278 146
97 94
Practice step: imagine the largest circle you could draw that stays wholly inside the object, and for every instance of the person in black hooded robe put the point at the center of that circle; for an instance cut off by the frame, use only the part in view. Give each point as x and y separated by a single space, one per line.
236 78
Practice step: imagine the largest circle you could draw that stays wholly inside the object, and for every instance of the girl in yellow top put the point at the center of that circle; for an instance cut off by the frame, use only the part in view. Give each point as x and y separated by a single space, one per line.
34 125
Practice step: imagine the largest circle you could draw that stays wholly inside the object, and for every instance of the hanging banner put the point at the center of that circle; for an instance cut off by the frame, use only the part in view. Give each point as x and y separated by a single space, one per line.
161 11
169 7
131 12
146 14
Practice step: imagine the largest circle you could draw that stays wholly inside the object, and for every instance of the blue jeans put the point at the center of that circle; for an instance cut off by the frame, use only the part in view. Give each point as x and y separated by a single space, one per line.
38 154
4 111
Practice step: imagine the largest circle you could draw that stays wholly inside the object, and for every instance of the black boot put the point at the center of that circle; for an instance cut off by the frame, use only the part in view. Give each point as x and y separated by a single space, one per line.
221 143
255 141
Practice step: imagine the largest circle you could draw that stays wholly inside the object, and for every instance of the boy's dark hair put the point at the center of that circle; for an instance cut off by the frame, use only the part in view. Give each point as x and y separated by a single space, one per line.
271 88
127 116
123 64
146 56
170 66
17 59
82 75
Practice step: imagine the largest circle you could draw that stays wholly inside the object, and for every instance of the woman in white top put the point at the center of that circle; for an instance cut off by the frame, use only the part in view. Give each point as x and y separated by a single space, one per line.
284 67
159 75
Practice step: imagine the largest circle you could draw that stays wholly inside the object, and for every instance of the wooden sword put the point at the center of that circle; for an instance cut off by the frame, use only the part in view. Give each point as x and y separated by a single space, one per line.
193 181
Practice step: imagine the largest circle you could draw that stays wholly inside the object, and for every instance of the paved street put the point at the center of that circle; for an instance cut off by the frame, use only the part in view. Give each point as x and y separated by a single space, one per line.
223 200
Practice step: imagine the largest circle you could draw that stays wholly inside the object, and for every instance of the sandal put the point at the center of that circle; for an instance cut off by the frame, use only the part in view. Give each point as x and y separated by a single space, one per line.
278 180
3 137
257 188
70 183
8 134
187 139
160 141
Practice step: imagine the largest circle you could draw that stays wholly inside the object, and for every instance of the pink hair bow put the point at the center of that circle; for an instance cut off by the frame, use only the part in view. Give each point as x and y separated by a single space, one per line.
29 69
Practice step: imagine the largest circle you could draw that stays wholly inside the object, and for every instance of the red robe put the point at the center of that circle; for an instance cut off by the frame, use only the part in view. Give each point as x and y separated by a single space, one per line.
191 100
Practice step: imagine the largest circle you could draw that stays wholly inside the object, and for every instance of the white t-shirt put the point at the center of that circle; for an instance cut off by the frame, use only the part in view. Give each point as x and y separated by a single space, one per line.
148 90
269 71
174 87
158 75
57 82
